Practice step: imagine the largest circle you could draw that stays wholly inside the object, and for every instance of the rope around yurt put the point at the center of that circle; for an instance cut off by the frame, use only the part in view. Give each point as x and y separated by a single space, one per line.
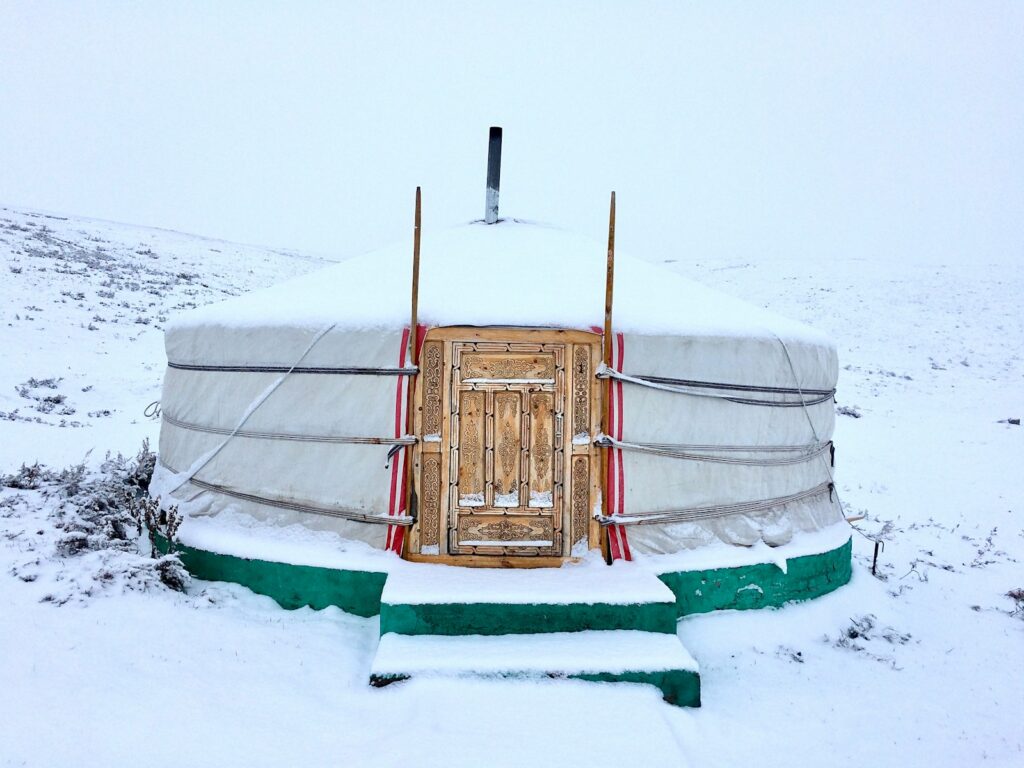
404 440
701 452
693 514
345 371
698 389
344 513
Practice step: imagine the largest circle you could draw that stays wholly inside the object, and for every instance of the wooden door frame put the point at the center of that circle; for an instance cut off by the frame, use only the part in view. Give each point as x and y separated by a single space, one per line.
431 423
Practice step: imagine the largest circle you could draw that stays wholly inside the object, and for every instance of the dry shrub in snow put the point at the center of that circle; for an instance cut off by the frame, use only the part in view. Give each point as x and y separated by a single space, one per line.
864 635
1017 595
96 521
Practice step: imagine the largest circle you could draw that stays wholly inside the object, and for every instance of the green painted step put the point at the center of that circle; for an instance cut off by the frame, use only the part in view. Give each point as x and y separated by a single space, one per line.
626 656
451 601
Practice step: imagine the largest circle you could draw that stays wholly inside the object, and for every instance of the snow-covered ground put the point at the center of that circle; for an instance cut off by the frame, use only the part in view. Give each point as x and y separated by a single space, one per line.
82 309
921 665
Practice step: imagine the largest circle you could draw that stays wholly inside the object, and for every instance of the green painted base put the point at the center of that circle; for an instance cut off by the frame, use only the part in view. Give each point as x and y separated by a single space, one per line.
292 586
516 619
760 586
359 592
680 687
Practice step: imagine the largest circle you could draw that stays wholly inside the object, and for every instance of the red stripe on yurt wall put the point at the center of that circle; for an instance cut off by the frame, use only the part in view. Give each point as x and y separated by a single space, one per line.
394 537
623 540
612 478
398 539
613 475
617 544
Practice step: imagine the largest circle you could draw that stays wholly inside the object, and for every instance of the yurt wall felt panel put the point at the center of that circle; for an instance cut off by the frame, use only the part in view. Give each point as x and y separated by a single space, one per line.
292 445
703 417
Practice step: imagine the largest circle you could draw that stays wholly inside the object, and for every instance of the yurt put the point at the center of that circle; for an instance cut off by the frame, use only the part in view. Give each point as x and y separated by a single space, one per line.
464 431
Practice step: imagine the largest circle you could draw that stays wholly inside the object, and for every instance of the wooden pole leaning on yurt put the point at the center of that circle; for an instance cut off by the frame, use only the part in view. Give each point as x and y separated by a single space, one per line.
414 347
414 355
606 426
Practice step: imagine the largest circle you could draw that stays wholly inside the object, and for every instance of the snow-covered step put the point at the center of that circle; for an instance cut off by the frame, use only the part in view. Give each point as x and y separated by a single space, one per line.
442 600
623 583
653 658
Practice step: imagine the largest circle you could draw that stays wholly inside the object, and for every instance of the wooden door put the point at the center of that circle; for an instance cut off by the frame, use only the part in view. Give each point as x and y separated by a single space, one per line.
505 463
506 452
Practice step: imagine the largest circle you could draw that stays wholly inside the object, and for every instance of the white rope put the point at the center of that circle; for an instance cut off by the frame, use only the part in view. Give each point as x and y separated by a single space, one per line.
692 514
344 513
344 370
604 372
404 440
195 468
699 452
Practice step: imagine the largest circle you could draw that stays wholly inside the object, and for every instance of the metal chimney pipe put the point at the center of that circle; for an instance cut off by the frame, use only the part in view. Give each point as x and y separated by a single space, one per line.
493 175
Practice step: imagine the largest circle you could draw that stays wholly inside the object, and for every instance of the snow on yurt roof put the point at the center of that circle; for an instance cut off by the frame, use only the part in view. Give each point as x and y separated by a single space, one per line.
510 273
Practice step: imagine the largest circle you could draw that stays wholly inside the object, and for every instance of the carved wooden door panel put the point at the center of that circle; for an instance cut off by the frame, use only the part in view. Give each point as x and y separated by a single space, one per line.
506 470
506 448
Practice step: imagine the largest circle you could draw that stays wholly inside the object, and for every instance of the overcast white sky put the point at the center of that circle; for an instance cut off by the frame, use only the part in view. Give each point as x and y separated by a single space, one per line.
749 129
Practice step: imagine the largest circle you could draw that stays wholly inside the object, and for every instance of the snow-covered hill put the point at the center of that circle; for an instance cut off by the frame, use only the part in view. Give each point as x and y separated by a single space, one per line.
82 306
916 666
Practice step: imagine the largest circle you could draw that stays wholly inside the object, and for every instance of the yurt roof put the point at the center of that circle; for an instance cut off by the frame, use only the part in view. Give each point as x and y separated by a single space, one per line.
510 273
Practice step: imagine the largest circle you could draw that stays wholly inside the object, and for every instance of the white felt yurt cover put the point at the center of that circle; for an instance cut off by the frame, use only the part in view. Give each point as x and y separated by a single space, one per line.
353 314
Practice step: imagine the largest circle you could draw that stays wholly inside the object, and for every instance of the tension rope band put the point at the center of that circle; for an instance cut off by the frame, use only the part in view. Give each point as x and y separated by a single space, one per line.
398 441
693 514
736 387
348 371
344 513
696 452
684 387
727 448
